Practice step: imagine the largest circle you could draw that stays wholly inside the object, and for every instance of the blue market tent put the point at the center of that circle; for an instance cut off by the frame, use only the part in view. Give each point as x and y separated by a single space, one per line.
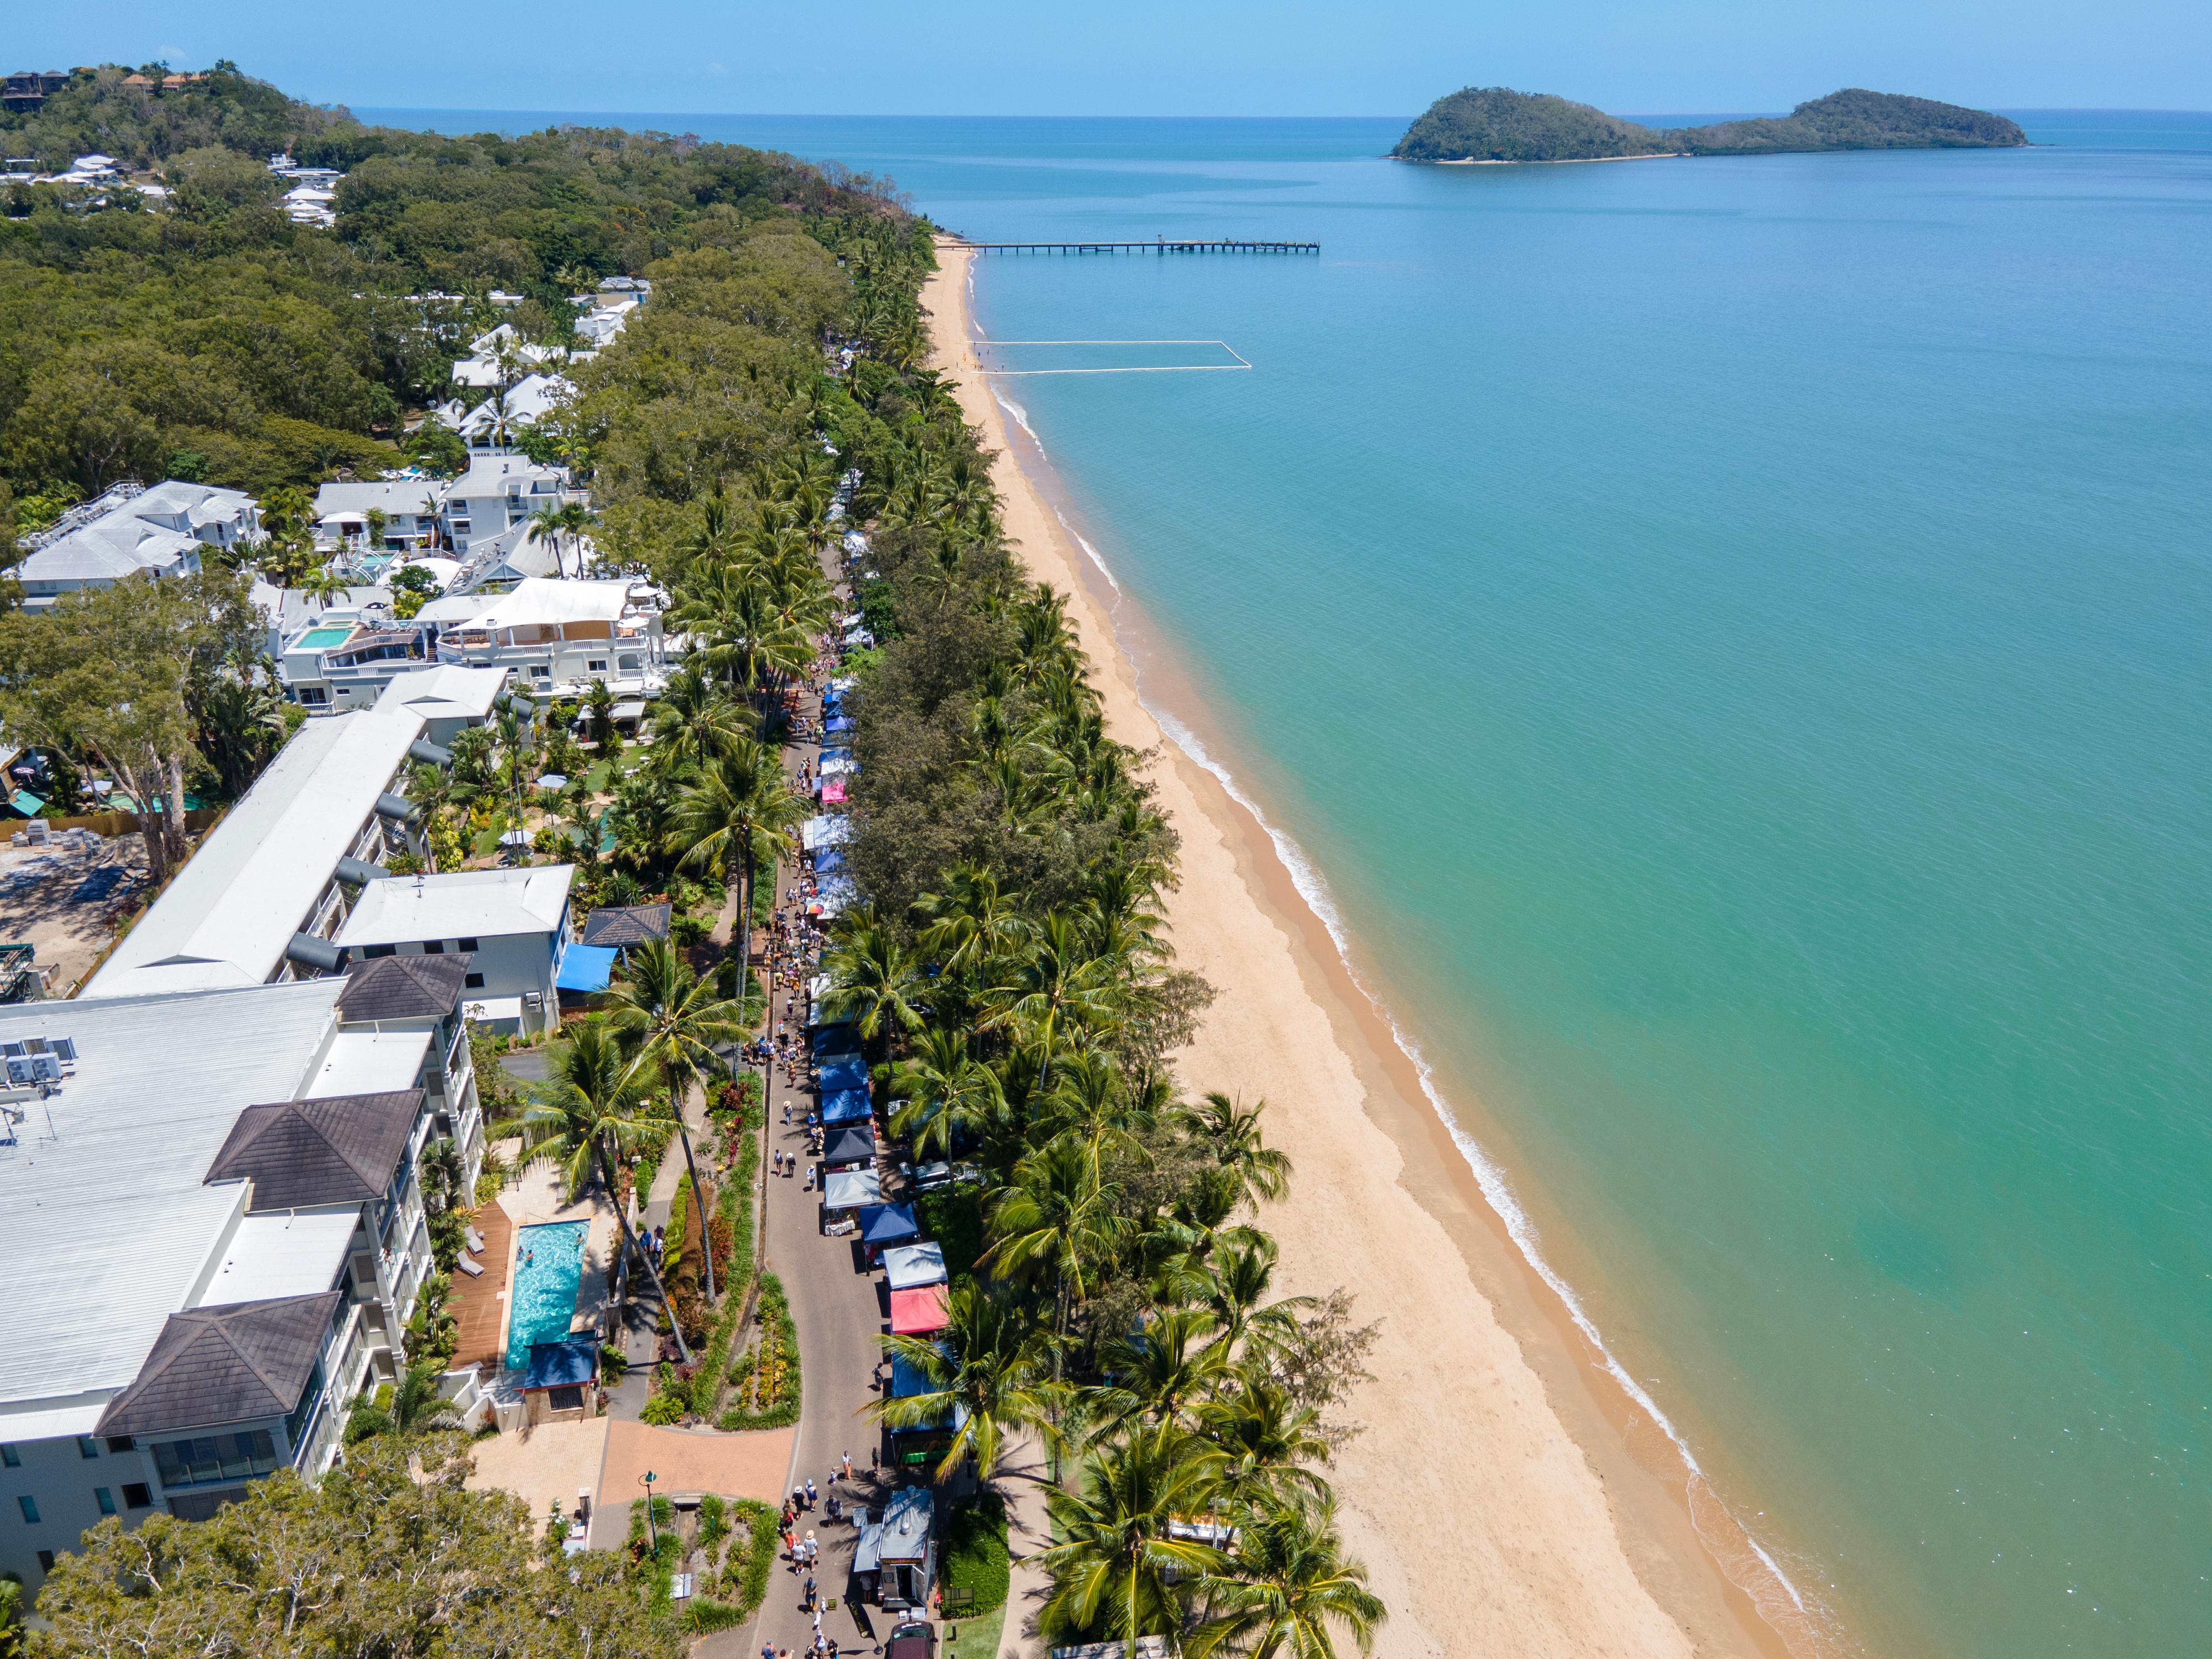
837 726
888 1224
848 1106
829 859
586 967
855 1143
835 1041
846 1072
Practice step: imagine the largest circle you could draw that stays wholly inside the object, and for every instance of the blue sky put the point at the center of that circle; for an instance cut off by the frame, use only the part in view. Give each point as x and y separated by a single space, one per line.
1149 57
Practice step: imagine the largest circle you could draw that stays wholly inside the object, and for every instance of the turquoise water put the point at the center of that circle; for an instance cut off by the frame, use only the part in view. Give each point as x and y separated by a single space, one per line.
316 638
549 1265
1730 641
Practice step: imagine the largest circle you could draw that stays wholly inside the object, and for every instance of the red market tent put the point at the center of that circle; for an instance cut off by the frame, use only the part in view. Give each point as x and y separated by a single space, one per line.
917 1313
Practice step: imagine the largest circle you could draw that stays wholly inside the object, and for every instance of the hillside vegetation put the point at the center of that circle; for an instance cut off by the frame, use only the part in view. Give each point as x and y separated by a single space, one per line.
1493 124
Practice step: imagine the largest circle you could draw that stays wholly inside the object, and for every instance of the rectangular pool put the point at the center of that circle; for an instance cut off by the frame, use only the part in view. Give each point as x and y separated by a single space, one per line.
322 639
549 1265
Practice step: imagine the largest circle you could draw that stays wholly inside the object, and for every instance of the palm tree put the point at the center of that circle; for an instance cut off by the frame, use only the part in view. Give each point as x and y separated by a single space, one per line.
994 1372
1056 1218
693 720
1231 1131
737 815
1235 1284
970 923
571 522
666 1017
1261 1438
1286 1584
1090 1105
1167 1371
1056 982
946 1091
873 979
592 1120
322 584
1114 1573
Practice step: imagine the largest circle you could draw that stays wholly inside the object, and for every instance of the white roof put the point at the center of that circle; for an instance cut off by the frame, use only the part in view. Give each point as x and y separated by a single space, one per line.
415 496
490 475
846 1190
455 608
443 692
109 549
460 905
291 1253
128 1138
368 1063
824 831
227 917
539 599
907 1267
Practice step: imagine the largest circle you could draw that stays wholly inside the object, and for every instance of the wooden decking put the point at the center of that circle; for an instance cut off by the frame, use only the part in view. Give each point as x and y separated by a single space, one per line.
478 1303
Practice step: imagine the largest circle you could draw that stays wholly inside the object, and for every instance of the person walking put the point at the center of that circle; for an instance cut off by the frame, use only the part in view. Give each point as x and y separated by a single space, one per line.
809 1603
811 1496
847 1461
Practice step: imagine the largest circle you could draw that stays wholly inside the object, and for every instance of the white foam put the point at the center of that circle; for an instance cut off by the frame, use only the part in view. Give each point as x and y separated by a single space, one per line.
1090 552
1021 417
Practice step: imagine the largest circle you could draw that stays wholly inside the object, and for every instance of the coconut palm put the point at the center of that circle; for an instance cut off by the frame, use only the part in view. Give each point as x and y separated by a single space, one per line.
593 1119
989 1362
1114 1573
1287 1585
669 1019
945 1092
1056 982
1261 1438
873 981
1090 1106
570 522
322 583
1167 1371
1055 1218
1235 1285
970 923
1231 1131
735 815
693 720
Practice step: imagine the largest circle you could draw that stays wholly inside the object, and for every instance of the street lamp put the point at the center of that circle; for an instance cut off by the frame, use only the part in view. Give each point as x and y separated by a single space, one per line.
651 1526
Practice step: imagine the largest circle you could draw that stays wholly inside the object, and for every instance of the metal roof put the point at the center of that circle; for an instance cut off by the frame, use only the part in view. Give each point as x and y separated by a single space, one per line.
460 905
626 924
229 914
125 1140
289 1253
230 1364
342 1148
444 691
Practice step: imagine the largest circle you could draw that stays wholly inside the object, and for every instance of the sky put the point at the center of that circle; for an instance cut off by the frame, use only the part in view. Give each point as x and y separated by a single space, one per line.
1148 57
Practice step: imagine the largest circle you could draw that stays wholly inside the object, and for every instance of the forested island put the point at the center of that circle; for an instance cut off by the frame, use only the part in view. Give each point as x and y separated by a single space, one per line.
1494 123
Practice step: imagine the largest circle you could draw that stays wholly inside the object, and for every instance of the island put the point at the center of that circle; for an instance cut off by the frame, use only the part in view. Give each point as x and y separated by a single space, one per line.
1496 124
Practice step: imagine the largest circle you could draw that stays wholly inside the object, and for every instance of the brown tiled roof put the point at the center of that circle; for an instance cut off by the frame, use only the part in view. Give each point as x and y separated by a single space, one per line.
403 987
227 1364
345 1149
626 924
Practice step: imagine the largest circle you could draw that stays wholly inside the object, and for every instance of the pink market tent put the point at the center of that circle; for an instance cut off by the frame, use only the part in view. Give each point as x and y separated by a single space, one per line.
918 1312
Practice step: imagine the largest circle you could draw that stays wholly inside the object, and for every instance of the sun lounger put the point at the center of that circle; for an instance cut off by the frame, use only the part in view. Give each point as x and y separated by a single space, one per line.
471 1268
474 1239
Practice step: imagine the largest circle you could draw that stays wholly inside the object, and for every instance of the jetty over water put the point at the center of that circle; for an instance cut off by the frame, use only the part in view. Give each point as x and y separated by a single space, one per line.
1159 245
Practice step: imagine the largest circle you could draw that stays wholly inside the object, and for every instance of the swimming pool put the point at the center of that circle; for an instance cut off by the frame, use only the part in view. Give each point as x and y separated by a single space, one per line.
548 1264
318 639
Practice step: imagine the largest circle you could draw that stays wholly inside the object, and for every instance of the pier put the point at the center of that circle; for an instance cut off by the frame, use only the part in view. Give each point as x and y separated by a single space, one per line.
1158 245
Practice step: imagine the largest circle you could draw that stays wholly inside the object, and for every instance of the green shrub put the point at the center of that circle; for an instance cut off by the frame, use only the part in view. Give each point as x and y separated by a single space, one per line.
767 1376
745 1576
976 1557
663 1411
955 1220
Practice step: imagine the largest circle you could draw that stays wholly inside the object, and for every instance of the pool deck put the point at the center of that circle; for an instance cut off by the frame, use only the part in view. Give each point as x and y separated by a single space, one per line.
535 1199
479 1303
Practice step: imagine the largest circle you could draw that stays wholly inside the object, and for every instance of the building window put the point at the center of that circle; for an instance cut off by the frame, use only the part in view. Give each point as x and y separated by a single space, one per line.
472 982
29 1505
106 1499
434 947
596 665
375 951
87 1446
8 1458
541 673
466 945
121 1442
313 696
45 1560
137 1496
565 1399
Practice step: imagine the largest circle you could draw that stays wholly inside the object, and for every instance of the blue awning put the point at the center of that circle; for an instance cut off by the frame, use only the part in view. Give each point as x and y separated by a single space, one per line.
847 1106
586 968
844 1072
829 859
888 1224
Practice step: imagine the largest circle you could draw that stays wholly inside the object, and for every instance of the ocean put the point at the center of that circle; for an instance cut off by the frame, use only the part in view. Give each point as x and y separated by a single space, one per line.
1729 644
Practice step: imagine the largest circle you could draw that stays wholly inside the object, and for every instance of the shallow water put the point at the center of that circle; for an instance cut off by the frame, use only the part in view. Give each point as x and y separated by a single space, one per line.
1732 636
549 1265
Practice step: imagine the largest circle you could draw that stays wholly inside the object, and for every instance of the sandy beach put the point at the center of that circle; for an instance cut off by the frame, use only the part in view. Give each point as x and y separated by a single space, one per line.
1506 1496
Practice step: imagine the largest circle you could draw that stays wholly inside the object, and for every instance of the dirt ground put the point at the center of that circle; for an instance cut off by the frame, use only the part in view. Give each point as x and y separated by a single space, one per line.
66 900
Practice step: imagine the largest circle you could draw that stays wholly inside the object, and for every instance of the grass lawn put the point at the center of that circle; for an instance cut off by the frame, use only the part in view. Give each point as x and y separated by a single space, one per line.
979 1637
975 1558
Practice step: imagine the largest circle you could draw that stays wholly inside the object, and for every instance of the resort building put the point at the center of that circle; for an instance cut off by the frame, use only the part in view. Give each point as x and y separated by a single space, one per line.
557 637
259 899
512 924
130 531
447 699
497 492
260 1240
410 508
